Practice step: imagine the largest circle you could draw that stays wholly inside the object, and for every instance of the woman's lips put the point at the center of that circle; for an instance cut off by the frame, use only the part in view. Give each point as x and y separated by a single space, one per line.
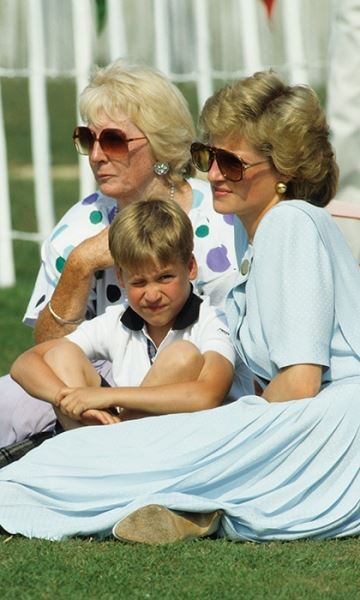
219 191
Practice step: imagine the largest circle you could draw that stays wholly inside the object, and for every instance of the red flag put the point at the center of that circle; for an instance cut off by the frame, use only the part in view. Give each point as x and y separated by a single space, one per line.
269 5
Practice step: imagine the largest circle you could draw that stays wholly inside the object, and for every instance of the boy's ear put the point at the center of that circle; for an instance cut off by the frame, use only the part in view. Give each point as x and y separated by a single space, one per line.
193 268
120 278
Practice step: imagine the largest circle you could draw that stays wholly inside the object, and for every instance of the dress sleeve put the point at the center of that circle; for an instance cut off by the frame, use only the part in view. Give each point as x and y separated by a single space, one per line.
46 281
294 287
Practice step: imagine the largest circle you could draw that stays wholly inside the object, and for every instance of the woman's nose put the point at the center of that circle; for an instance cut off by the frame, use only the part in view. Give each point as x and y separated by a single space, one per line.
214 173
96 153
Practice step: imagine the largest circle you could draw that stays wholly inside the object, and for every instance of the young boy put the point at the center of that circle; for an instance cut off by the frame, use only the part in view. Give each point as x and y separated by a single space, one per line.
170 350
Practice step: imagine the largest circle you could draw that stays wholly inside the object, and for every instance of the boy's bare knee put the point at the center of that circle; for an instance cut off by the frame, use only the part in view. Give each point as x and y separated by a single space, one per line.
72 366
181 355
58 355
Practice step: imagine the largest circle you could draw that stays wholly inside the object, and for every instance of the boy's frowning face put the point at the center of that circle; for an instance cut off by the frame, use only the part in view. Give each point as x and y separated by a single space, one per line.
158 292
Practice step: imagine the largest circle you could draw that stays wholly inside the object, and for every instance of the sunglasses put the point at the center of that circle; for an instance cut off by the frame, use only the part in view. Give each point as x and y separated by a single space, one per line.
113 142
230 166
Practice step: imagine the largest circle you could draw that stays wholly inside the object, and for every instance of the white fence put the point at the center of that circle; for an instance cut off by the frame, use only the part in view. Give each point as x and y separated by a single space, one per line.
190 40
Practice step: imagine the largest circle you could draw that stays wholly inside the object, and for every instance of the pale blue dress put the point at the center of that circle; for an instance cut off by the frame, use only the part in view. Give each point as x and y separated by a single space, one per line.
278 471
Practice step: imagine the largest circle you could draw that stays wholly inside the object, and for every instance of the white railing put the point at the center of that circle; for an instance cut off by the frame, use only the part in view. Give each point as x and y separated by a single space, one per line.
210 40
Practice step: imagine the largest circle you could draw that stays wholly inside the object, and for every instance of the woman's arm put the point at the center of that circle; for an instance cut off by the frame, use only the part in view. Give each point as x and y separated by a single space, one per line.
294 289
293 383
69 299
207 391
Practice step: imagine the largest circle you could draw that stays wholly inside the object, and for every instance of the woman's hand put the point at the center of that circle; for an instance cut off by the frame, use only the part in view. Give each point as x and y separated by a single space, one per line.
93 254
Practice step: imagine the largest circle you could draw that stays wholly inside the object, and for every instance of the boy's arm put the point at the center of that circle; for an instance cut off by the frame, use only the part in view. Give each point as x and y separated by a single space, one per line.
33 374
207 391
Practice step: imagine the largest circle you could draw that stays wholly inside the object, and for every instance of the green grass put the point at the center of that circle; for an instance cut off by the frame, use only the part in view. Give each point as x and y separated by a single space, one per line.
208 569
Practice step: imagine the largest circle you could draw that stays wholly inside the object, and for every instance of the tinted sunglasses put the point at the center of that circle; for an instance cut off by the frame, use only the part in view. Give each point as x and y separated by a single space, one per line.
113 142
230 165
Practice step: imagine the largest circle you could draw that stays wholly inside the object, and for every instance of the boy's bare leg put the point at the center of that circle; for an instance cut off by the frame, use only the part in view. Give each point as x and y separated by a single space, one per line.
179 362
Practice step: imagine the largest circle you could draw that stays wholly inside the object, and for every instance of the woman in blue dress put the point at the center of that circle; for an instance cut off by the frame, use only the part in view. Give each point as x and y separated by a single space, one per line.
283 464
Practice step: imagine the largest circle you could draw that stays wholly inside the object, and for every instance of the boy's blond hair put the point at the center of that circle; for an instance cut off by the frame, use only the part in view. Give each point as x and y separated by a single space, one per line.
150 231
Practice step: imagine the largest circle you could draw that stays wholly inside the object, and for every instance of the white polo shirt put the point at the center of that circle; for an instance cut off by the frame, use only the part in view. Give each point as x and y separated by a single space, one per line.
120 336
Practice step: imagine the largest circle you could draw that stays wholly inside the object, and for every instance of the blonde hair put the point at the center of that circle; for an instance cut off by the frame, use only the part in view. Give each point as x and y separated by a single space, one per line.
150 231
285 123
154 104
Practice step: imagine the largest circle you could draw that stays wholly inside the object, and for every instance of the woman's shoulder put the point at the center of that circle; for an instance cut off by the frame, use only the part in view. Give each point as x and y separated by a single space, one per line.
291 209
95 208
291 216
288 228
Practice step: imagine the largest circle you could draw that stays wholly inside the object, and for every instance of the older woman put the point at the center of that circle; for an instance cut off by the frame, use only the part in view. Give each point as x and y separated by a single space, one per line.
137 138
283 465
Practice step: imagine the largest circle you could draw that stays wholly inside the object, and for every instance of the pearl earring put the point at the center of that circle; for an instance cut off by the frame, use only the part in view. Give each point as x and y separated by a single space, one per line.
280 187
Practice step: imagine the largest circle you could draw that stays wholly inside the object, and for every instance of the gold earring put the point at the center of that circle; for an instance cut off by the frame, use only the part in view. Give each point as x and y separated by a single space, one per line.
280 187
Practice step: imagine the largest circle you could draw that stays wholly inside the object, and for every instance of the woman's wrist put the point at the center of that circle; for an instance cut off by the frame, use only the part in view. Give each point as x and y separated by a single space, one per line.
61 320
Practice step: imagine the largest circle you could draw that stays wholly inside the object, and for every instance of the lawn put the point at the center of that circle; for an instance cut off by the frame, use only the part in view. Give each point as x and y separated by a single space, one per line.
207 569
204 570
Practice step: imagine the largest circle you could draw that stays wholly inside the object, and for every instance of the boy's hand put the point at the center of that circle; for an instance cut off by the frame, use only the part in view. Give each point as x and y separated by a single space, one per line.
87 405
98 417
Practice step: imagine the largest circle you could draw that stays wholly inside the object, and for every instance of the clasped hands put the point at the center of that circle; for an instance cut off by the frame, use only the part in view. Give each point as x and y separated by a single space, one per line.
84 404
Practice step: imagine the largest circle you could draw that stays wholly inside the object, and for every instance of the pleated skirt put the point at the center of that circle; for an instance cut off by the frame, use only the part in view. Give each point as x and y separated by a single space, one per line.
279 471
